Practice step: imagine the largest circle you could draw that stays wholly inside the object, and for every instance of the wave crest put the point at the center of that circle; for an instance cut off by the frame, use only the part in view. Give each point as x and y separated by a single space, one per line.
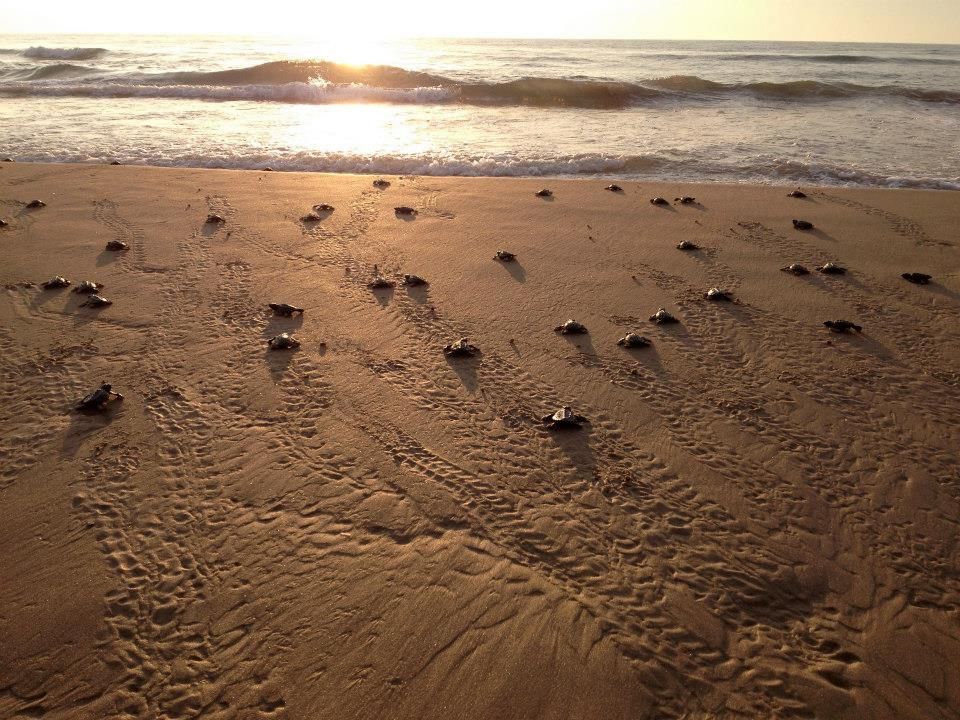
78 53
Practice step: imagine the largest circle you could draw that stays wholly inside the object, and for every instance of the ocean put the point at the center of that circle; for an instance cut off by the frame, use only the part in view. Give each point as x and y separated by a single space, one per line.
785 113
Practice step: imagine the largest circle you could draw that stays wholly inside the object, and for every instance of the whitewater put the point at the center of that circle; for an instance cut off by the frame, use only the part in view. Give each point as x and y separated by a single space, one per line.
786 113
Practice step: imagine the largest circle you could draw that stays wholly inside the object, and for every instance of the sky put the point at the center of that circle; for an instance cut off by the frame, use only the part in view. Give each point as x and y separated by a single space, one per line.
929 21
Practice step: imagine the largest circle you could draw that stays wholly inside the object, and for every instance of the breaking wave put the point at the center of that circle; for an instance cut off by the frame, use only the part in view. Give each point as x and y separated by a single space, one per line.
327 82
78 53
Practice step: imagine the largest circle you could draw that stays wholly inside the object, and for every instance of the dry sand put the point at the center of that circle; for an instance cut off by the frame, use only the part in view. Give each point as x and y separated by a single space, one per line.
760 521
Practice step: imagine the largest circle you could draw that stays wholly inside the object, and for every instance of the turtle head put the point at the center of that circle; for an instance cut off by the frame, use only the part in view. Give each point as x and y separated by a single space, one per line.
106 386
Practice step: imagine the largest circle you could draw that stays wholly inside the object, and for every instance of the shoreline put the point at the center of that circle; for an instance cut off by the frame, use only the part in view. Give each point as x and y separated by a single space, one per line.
757 520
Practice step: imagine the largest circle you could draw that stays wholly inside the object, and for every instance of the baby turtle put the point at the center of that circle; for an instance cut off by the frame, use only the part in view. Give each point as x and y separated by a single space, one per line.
284 341
3 223
802 225
614 188
633 340
380 283
98 399
460 348
9 159
687 245
114 162
324 208
686 200
796 269
96 301
34 204
798 193
381 183
214 219
718 295
504 256
404 210
841 326
544 193
564 419
87 287
117 245
662 317
414 281
310 217
832 269
55 283
659 201
571 327
917 278
284 310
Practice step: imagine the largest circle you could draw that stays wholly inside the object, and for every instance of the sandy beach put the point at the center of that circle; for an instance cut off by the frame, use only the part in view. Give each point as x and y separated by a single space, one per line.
760 519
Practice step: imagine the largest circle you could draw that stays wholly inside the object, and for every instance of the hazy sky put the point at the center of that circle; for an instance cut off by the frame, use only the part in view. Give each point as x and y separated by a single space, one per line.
843 20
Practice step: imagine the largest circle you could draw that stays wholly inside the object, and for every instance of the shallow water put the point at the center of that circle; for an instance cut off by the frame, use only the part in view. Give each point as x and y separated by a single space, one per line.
883 115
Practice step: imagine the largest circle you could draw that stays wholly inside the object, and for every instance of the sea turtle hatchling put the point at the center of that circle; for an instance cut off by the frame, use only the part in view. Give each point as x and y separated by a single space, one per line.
917 278
284 310
796 269
283 341
633 340
96 301
718 295
686 200
3 223
571 327
802 225
381 183
414 281
380 283
504 256
460 348
56 283
614 188
87 287
659 201
842 326
564 419
117 246
310 217
214 219
544 193
662 317
687 245
798 193
832 269
35 204
323 208
98 399
405 210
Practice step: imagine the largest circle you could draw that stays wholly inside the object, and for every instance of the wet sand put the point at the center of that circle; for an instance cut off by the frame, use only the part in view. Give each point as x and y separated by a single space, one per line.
760 519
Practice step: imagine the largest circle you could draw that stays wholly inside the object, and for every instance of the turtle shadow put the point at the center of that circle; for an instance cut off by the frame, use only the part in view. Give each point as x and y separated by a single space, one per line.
27 211
277 324
106 257
574 443
405 216
820 234
516 270
278 361
321 214
864 343
671 208
545 198
648 357
420 294
581 341
46 295
383 296
85 423
678 332
694 206
466 369
210 229
938 289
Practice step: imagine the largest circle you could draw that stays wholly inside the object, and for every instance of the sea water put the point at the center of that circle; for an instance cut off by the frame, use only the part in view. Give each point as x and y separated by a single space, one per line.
787 113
